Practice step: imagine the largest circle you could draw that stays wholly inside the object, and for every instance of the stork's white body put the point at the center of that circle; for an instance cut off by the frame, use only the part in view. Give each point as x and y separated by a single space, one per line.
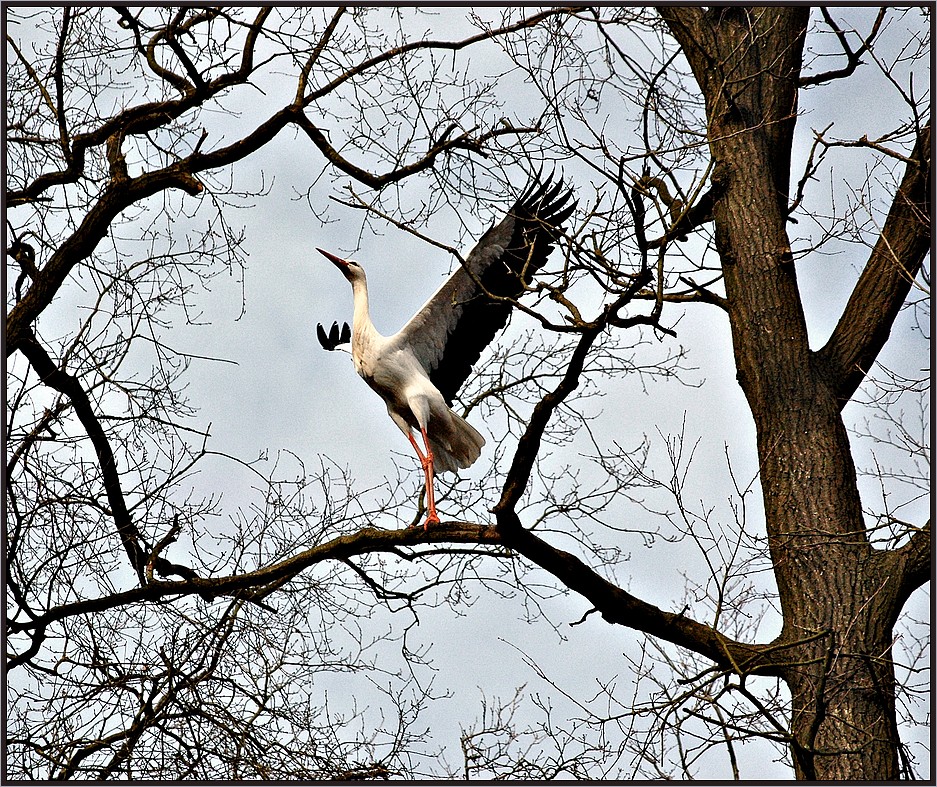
391 366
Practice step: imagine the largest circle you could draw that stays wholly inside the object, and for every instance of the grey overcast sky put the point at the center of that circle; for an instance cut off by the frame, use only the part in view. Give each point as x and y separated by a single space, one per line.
282 393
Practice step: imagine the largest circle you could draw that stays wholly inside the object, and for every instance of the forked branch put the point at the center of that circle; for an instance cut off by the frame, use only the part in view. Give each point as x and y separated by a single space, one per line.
888 276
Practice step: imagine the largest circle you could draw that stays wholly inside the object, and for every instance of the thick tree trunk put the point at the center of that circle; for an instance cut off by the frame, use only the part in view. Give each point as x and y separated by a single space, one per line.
842 686
838 599
832 597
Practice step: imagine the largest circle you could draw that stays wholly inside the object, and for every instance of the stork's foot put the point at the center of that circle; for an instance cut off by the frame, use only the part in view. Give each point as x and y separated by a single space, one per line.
432 519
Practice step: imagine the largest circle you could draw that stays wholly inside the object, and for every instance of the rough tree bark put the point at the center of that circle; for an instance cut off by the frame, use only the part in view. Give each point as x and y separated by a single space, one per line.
839 596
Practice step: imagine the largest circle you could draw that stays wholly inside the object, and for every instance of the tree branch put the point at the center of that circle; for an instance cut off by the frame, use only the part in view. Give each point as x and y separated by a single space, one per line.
119 194
364 541
853 58
616 605
464 141
914 564
620 607
887 278
453 46
138 120
69 386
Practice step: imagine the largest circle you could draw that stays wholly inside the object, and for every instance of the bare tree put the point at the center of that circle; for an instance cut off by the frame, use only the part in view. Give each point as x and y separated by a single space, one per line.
129 131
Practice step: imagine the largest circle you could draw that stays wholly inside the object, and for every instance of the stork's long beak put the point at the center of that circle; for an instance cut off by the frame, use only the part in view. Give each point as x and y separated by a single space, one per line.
337 260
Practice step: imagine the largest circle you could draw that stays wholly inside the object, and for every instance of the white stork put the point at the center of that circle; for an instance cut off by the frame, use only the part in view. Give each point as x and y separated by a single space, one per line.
419 369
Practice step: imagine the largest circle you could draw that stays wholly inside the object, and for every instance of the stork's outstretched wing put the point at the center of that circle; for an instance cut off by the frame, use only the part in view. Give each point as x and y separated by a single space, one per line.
452 328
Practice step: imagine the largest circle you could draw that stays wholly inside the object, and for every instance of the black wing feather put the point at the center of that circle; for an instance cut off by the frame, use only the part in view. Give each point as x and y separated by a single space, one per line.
333 339
536 218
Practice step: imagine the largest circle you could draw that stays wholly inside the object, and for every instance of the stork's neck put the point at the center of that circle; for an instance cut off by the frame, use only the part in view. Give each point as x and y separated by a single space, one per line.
361 325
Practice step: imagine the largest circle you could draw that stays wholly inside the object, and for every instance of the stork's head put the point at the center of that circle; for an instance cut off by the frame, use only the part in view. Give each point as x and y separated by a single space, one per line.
350 269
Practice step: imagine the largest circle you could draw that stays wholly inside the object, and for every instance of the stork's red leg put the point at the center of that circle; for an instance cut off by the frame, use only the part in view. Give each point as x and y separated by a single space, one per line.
426 462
